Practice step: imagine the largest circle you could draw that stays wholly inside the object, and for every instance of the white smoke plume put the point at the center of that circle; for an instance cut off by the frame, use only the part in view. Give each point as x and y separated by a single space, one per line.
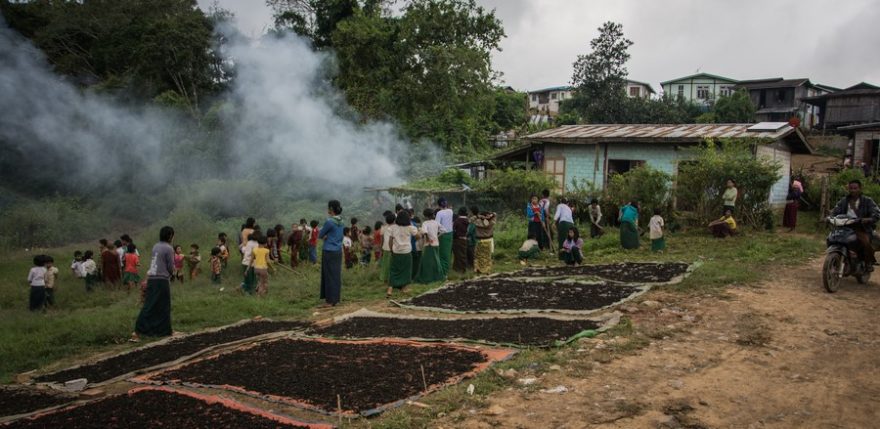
284 117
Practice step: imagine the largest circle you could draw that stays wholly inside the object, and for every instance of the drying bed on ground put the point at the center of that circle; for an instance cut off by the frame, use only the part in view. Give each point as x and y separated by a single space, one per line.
526 331
493 294
628 272
15 401
170 351
367 376
153 408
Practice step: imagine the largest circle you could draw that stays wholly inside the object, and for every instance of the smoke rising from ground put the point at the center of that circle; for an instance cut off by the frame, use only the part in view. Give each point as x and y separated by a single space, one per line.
281 117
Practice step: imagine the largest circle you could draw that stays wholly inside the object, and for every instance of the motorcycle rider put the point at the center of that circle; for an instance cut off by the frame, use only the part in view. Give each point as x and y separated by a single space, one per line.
857 206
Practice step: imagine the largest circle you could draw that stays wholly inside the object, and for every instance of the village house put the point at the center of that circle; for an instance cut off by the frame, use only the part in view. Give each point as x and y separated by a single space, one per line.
594 153
856 105
864 144
700 88
546 101
781 100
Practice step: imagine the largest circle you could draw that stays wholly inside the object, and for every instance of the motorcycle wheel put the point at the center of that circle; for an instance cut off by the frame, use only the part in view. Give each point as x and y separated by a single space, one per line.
863 278
831 270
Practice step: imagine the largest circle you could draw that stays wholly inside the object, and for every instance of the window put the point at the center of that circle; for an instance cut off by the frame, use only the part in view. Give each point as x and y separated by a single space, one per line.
681 90
555 167
620 166
703 92
534 97
726 91
552 95
780 95
634 91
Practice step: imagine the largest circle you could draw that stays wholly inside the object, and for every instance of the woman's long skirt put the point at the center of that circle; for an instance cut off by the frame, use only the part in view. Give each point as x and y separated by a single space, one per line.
445 252
249 283
416 262
562 232
483 256
789 216
331 277
429 266
459 254
385 267
537 230
154 319
658 244
401 270
629 235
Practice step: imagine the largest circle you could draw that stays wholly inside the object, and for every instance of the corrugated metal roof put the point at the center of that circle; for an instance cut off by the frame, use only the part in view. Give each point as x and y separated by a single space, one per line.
650 132
694 76
769 84
552 88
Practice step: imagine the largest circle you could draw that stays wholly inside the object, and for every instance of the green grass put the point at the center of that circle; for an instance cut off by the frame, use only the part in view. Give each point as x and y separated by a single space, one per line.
83 324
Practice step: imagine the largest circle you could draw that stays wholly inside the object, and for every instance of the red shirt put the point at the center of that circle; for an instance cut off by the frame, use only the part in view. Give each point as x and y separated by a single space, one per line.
313 237
131 263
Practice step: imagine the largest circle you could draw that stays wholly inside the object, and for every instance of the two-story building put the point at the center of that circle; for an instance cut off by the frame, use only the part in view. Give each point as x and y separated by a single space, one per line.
636 89
856 105
780 100
700 88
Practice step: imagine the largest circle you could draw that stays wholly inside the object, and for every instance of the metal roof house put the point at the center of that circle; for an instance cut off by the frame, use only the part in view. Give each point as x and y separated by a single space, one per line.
856 105
700 88
595 152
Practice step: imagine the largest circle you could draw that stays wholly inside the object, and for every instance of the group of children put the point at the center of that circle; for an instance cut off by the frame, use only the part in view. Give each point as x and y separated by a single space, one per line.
42 279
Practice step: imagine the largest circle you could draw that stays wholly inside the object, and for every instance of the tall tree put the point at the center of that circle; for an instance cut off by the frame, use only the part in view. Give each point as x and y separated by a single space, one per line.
600 77
318 19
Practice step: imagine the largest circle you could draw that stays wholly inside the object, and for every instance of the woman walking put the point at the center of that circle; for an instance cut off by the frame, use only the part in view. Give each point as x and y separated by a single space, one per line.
331 258
154 319
629 231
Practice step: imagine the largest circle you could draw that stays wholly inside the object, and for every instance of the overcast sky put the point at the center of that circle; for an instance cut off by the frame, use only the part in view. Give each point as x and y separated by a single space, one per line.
831 42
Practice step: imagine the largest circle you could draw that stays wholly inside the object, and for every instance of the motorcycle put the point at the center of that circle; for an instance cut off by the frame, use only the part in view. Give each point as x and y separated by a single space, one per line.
842 259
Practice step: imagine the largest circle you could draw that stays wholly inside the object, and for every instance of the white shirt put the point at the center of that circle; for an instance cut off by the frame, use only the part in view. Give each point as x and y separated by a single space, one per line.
76 267
37 276
121 252
528 245
563 214
656 225
444 218
431 232
248 252
401 238
89 267
346 242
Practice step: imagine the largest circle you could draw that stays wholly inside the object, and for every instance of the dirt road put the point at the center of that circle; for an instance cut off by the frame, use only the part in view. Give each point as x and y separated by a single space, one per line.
780 354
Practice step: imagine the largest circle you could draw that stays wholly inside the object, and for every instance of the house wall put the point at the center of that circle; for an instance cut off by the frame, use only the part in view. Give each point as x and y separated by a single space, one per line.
862 139
854 109
690 88
780 153
543 102
643 90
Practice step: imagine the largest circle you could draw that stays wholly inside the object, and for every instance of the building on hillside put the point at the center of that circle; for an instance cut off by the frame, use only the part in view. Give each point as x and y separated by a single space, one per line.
864 144
781 100
636 89
856 105
700 88
593 153
546 101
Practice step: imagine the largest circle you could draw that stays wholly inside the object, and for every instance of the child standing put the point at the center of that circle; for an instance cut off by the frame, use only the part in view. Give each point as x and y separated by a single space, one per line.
366 241
656 224
276 248
271 243
260 264
224 250
429 266
132 262
347 251
313 242
572 248
89 270
51 275
377 242
355 235
192 262
110 269
178 264
529 249
216 265
37 282
76 265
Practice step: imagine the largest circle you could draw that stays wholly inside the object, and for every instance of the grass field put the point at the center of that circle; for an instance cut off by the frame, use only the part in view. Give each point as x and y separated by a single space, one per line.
85 323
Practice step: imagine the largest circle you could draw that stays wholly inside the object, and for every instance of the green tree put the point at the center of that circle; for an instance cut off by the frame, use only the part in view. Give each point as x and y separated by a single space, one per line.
599 77
736 108
317 20
437 83
510 110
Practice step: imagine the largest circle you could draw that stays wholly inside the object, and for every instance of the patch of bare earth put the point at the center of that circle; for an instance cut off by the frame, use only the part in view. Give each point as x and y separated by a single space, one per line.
781 354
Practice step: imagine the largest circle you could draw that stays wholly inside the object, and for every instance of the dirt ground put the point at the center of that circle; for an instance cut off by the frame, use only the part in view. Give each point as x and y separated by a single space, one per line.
780 354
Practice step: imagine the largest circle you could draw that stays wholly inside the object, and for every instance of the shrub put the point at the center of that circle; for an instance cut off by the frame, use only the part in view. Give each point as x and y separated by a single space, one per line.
647 186
509 190
701 182
48 222
838 186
